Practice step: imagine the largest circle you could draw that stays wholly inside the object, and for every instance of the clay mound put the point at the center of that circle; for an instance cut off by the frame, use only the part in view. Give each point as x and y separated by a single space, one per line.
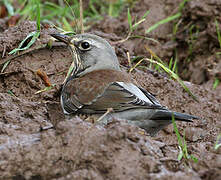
36 142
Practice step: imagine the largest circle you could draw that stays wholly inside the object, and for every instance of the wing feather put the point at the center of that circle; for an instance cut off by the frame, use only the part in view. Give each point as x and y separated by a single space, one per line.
120 96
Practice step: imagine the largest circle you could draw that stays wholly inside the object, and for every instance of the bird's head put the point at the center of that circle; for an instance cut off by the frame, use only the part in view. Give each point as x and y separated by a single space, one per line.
90 53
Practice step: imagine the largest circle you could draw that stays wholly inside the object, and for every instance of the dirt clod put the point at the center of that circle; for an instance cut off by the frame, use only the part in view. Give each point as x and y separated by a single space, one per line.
36 142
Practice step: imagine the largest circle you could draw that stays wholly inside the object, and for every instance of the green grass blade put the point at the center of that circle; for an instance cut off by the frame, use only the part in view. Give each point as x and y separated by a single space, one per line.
182 4
185 147
180 155
174 65
38 18
93 9
171 63
144 37
129 19
182 144
67 26
216 83
110 9
50 4
137 24
195 159
5 65
9 7
218 33
134 26
177 132
218 142
168 19
11 93
172 74
33 36
179 139
145 14
45 89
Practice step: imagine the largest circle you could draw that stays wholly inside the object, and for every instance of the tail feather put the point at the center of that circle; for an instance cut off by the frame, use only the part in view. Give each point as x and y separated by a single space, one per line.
167 115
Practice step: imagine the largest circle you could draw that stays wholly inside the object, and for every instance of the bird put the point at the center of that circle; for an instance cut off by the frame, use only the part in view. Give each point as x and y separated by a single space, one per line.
97 83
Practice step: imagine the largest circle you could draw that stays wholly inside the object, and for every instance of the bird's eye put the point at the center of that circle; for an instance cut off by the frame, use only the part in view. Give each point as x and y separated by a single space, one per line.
85 45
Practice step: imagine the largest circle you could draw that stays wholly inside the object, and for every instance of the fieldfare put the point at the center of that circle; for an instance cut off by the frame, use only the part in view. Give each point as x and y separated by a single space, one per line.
97 83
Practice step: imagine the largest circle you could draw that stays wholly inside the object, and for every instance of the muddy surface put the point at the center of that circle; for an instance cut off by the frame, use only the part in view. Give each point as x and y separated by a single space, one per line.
36 142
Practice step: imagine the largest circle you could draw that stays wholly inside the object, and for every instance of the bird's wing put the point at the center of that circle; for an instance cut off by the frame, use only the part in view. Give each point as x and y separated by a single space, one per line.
121 96
117 95
150 96
99 90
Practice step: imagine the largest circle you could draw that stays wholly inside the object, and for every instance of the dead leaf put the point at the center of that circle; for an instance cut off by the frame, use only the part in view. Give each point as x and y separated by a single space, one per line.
44 77
13 20
3 11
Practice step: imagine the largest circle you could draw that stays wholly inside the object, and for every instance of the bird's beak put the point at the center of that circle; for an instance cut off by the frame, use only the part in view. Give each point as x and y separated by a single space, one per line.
76 64
62 38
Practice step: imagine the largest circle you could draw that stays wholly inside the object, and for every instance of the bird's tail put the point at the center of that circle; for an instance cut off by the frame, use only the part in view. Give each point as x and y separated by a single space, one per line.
168 115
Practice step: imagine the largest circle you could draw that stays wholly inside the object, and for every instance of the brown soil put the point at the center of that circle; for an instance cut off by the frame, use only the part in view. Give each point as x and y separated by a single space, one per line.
37 143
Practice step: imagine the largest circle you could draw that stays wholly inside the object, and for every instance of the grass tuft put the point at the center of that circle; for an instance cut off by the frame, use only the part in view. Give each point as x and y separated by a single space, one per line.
132 26
31 37
172 74
182 144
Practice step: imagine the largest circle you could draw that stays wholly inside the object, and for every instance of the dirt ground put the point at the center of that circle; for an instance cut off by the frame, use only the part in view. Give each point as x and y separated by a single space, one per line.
36 142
